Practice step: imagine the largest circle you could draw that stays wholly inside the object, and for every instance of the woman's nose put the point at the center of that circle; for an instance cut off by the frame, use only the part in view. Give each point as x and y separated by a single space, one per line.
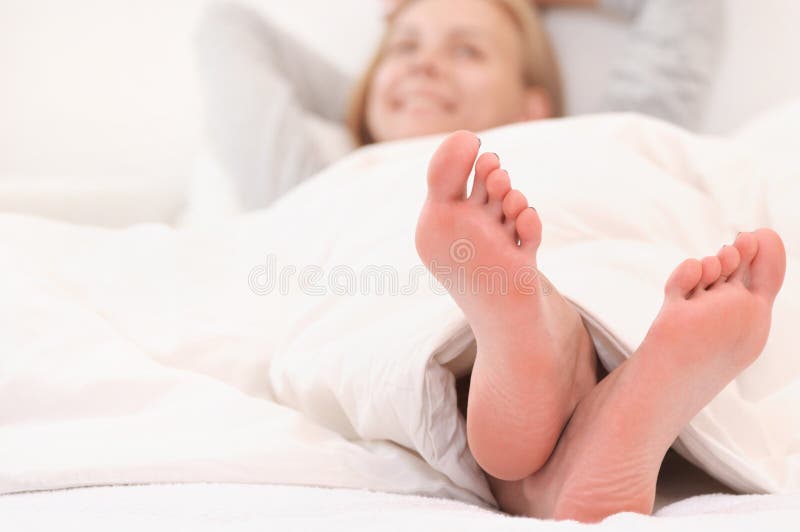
426 62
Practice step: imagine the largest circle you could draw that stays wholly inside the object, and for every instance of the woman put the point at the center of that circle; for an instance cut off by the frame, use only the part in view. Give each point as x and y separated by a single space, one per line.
272 102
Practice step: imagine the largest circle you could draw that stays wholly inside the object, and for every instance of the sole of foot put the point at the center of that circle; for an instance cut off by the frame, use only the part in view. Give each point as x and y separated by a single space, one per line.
714 322
535 358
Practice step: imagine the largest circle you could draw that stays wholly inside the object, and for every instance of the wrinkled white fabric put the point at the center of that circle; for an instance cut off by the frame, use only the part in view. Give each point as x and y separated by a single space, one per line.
267 350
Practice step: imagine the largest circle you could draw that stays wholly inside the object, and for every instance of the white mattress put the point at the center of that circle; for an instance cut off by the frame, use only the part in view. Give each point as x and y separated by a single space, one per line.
687 500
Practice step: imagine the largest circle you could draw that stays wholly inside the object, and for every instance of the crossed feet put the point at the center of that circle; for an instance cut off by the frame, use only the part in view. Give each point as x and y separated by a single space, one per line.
553 441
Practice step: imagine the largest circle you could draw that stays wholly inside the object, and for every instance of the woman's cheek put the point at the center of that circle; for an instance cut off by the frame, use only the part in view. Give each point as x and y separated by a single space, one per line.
378 90
385 77
480 99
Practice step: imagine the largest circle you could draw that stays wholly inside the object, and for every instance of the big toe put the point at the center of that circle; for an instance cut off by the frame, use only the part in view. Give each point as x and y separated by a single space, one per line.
451 166
769 265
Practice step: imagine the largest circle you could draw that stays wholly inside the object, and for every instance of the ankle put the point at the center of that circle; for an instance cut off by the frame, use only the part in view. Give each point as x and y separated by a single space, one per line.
587 366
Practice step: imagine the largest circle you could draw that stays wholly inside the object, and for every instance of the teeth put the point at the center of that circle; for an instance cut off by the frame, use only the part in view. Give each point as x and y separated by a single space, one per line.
422 104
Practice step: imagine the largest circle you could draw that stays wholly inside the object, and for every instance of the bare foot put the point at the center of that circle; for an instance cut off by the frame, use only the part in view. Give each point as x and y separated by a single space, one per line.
714 323
535 358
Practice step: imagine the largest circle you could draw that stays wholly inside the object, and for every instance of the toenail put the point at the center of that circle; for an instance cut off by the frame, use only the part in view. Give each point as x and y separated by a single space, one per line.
532 207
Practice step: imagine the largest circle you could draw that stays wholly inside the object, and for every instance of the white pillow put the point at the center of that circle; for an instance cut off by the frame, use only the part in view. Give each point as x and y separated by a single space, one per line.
759 67
114 201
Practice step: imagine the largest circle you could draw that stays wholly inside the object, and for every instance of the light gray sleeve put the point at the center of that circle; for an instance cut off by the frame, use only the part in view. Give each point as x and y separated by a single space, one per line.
262 91
670 59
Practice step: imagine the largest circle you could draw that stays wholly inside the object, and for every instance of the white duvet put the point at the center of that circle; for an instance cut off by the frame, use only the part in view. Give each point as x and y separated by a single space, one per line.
305 344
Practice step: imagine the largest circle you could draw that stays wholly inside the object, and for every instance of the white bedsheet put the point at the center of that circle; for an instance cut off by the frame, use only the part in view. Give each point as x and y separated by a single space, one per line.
212 507
161 355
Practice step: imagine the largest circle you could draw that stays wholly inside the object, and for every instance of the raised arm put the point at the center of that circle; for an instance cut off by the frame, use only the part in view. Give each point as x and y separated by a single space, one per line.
669 62
264 91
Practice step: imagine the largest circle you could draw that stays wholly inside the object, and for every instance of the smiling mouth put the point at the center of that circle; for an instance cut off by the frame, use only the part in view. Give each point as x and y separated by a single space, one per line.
422 104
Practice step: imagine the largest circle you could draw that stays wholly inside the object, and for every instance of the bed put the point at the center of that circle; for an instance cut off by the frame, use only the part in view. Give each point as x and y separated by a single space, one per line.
161 363
688 501
218 493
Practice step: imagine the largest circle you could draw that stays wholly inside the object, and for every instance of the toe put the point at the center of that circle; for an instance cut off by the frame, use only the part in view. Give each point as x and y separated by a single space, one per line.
747 246
497 185
487 163
451 165
684 279
529 229
768 268
513 204
712 268
729 260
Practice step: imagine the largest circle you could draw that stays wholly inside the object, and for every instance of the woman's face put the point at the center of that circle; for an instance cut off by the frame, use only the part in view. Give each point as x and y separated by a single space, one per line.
448 65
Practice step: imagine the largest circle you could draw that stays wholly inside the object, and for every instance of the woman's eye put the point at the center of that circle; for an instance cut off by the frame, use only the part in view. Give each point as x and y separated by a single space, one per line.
467 51
402 47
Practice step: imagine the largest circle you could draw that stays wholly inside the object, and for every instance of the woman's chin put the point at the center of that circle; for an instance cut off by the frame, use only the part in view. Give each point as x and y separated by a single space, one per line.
410 131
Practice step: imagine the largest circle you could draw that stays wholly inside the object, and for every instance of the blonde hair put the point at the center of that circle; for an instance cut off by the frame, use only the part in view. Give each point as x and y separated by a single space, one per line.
539 65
